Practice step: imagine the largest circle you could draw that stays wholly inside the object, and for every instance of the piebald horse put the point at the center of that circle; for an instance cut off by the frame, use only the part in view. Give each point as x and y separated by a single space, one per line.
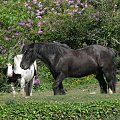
24 77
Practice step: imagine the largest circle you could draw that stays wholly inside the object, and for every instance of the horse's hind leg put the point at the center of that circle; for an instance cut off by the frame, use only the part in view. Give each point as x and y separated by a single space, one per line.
110 78
102 82
61 90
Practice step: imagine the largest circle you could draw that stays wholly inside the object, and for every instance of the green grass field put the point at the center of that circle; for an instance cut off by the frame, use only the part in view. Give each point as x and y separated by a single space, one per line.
80 94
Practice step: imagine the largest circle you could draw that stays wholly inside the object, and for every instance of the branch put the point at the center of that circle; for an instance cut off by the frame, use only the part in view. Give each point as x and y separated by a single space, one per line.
116 41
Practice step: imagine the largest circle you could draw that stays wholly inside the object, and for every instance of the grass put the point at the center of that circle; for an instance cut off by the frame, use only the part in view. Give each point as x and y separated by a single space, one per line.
81 94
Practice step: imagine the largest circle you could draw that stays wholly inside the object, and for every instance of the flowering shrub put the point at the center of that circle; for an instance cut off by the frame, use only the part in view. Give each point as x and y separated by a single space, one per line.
70 21
73 22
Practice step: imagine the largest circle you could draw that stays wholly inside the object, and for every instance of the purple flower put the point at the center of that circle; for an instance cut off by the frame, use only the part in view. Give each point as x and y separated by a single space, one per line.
40 31
36 81
78 1
29 20
76 6
28 25
70 13
39 24
70 2
40 5
17 34
34 1
2 50
80 12
7 38
29 7
75 10
38 17
21 23
39 12
25 4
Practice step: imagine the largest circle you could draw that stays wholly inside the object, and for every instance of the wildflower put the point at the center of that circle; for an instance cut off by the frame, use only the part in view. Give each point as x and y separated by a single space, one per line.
36 81
78 1
13 36
76 6
39 24
17 34
29 7
43 11
39 5
21 23
2 50
26 4
40 31
28 12
75 10
37 11
70 2
80 12
44 21
55 12
52 9
7 38
34 1
28 25
38 17
70 13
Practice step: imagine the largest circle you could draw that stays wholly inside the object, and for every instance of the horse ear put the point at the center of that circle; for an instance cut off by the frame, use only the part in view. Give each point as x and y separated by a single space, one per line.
33 44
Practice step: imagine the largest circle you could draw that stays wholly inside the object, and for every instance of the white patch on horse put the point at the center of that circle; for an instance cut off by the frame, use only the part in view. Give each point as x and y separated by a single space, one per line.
110 91
9 70
26 81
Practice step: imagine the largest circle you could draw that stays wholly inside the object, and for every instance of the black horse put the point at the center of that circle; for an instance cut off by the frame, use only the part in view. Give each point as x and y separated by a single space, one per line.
65 62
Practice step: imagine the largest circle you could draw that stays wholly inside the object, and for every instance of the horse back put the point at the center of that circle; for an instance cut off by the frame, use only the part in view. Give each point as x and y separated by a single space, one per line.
86 60
102 55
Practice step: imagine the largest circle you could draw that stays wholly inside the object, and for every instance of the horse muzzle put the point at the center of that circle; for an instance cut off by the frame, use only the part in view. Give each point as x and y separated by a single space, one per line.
23 66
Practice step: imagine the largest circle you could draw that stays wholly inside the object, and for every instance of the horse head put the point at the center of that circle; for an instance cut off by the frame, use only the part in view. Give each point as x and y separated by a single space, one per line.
29 56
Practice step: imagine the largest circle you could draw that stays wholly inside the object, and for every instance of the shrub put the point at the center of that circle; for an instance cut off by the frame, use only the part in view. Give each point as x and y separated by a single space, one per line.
103 110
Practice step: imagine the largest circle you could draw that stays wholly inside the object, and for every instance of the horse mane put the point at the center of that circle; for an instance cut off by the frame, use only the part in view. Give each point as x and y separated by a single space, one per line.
55 48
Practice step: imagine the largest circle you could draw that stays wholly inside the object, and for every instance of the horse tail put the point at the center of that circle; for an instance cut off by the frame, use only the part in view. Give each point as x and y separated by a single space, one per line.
113 54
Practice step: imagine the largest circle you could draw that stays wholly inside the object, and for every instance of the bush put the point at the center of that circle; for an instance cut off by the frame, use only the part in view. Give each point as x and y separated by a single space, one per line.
104 110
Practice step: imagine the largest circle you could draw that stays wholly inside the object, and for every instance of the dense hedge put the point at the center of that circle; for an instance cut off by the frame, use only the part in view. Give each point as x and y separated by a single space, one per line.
104 110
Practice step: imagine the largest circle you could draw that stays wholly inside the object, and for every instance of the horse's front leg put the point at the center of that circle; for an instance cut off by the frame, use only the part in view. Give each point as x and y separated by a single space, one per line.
30 87
13 89
22 84
57 85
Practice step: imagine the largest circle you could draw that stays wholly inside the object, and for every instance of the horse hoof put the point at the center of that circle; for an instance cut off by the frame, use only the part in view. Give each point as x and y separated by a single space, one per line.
110 91
27 97
62 93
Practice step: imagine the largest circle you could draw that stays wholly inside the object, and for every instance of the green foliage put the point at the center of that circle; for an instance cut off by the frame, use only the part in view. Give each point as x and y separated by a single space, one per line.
4 87
104 110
